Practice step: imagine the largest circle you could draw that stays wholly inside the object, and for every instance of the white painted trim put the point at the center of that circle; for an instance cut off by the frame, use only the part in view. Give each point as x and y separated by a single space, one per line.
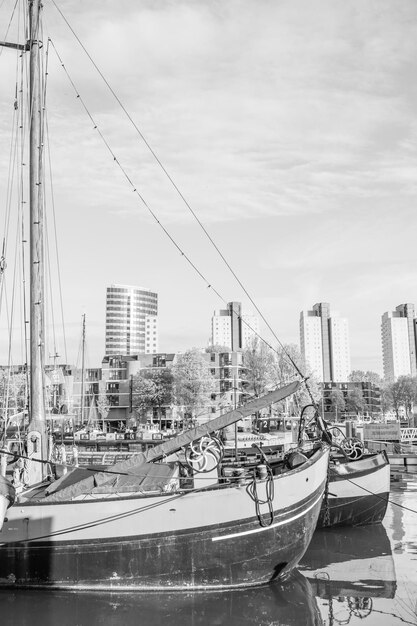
371 484
262 528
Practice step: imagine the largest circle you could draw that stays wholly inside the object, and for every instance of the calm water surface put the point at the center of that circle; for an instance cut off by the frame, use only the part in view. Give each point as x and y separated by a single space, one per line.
364 576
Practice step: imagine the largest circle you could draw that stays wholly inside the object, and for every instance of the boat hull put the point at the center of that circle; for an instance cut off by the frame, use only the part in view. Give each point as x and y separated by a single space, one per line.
4 504
207 539
7 497
358 492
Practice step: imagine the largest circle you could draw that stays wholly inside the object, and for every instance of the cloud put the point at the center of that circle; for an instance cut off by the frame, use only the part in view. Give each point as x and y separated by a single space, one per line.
289 127
231 96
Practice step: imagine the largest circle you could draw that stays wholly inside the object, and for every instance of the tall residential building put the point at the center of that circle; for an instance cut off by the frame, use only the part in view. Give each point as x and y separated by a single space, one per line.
324 339
131 320
399 342
250 328
231 328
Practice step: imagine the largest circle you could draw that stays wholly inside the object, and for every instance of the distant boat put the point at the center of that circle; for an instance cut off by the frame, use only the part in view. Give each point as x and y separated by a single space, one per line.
358 485
150 522
358 488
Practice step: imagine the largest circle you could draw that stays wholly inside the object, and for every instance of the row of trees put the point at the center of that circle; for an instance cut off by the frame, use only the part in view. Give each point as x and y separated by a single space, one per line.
353 402
267 369
400 396
190 385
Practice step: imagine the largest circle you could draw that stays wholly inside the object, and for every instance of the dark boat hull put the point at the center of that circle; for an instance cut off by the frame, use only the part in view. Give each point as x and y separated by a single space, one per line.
367 509
165 561
238 552
357 492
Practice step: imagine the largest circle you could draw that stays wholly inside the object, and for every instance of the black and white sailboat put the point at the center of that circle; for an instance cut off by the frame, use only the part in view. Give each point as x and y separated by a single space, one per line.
357 492
153 521
358 485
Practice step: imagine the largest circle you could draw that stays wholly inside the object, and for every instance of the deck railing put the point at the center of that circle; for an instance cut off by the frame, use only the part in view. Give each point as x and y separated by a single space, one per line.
408 435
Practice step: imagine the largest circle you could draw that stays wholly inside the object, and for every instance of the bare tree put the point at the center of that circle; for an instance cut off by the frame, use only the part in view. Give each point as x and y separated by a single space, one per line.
288 364
103 405
337 401
163 390
143 396
359 376
259 373
193 383
386 398
403 394
218 348
355 402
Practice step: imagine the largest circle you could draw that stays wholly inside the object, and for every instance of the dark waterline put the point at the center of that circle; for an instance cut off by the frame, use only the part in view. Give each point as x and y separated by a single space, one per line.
292 602
356 576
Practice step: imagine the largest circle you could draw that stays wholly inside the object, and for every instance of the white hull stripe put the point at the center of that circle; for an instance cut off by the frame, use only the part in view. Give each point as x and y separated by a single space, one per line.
352 488
262 528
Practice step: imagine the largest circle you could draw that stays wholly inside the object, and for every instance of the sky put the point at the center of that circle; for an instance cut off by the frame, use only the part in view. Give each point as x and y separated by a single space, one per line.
289 127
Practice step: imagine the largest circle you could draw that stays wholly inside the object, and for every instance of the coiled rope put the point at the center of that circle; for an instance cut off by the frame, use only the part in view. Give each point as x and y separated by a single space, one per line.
252 490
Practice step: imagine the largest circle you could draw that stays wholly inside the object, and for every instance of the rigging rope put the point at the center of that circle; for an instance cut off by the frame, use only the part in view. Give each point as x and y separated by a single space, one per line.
9 24
21 111
56 241
117 516
89 468
400 506
14 172
147 205
252 490
23 314
9 193
188 205
98 469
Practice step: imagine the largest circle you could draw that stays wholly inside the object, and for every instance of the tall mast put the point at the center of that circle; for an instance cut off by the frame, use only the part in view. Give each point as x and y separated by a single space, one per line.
37 441
37 420
82 372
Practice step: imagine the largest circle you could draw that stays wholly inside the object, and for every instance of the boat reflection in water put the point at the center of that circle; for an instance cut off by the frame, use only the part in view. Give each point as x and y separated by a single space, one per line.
349 567
290 603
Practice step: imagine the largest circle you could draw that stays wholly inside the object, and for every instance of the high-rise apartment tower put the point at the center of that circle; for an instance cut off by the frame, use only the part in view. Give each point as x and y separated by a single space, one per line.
399 342
131 320
231 328
324 339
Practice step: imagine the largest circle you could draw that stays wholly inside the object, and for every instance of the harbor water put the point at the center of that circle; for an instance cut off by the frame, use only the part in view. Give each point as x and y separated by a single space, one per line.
352 576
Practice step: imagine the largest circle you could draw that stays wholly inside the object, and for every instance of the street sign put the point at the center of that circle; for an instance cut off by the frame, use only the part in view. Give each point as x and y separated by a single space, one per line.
381 432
